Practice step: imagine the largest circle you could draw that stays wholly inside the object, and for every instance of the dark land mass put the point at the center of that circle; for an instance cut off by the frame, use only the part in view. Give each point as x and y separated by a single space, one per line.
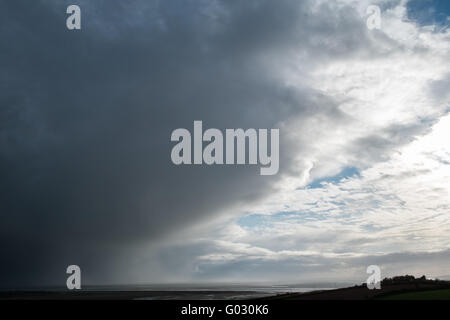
398 288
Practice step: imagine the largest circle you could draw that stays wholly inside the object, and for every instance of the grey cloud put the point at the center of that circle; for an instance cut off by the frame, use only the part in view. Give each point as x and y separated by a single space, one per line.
291 267
380 145
439 89
86 118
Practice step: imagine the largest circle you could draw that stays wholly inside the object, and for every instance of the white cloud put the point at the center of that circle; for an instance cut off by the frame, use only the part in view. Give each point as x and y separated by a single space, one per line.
394 129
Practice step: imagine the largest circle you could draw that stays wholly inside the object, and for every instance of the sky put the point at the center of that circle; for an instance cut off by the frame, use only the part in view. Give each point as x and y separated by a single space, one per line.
86 118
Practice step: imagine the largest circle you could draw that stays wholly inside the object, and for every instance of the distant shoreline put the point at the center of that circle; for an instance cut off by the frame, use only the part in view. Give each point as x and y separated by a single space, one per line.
407 287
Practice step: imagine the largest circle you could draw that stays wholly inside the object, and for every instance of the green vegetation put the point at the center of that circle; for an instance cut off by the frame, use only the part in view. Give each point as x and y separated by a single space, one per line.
420 295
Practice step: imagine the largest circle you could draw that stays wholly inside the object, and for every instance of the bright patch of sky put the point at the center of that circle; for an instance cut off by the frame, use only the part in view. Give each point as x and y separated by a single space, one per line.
344 174
429 12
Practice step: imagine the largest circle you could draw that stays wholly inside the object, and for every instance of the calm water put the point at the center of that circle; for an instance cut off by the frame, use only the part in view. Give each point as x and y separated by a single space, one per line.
227 293
193 292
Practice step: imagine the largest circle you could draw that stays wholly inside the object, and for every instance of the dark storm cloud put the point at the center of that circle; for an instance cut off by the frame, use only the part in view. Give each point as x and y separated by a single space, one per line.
86 118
